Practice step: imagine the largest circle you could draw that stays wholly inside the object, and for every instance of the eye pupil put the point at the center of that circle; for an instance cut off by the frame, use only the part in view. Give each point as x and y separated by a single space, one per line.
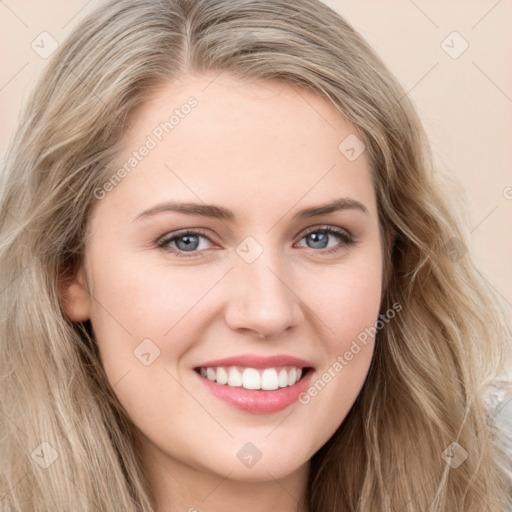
190 241
319 238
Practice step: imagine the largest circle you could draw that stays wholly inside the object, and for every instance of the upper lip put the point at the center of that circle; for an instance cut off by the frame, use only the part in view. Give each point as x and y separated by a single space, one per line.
256 361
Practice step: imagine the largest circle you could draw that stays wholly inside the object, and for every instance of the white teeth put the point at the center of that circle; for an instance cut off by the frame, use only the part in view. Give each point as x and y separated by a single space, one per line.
269 379
251 378
222 376
292 376
282 380
234 377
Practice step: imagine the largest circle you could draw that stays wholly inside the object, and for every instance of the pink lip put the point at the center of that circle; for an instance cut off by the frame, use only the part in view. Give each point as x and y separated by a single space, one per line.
255 361
258 401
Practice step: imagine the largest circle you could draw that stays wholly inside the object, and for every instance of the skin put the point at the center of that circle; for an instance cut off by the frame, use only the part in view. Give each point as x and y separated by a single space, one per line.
264 150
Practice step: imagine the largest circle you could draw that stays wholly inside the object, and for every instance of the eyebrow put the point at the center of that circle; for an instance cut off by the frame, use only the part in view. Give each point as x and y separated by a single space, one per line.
219 212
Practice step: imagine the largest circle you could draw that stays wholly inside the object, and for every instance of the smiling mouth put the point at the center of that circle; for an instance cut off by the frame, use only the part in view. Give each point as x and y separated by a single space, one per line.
266 379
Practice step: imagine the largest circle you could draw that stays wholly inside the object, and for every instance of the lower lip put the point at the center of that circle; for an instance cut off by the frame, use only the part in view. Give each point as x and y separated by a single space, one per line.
258 401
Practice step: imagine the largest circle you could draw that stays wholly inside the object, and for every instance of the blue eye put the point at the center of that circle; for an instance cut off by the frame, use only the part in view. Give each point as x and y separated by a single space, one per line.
321 237
187 243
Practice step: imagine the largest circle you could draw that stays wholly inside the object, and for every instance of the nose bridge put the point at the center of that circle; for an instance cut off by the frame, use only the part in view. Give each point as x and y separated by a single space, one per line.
262 297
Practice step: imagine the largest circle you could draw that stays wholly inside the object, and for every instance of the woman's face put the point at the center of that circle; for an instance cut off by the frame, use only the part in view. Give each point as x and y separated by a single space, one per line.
212 245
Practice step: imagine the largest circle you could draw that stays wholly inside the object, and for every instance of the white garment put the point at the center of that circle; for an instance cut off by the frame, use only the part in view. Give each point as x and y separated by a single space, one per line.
499 403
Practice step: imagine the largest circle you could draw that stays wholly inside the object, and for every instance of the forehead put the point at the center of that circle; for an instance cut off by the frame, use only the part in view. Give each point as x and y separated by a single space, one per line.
207 136
228 110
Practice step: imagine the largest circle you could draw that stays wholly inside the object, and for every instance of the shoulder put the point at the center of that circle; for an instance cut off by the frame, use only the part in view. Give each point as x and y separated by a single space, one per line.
498 398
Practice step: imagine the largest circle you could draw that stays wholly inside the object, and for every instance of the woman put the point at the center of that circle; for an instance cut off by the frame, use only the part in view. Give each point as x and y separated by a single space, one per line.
176 335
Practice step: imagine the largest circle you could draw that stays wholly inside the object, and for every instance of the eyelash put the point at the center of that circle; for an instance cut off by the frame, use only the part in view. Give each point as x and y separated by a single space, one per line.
346 240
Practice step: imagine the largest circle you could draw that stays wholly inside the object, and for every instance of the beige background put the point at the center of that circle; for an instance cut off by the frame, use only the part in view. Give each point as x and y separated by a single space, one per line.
465 102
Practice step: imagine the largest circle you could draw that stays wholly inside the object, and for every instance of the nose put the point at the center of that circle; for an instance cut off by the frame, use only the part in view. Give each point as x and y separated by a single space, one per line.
262 300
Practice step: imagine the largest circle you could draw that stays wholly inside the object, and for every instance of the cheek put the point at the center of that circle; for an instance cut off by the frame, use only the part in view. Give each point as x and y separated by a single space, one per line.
348 300
348 306
133 304
145 320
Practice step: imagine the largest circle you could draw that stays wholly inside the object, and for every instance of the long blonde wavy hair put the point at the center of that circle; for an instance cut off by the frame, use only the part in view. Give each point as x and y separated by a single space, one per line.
432 362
